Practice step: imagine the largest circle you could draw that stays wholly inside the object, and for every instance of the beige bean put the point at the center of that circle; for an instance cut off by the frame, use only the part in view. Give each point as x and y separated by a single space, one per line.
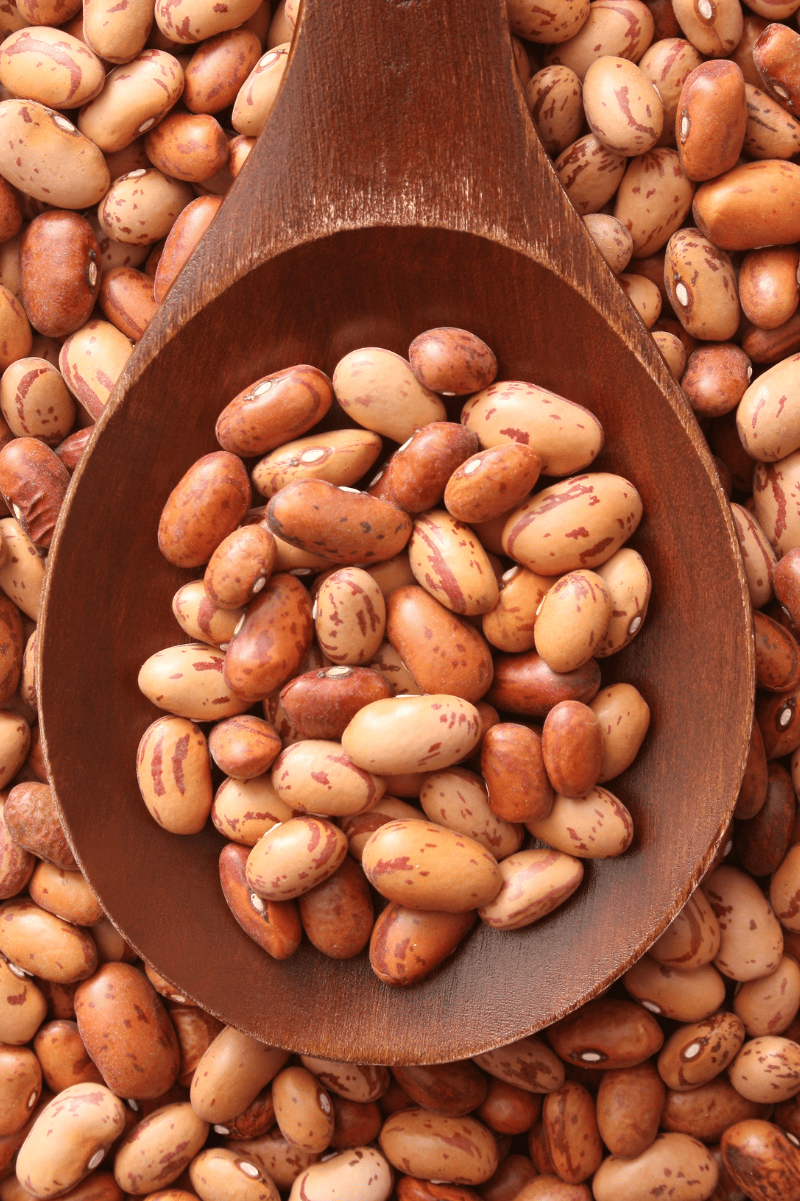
667 63
243 810
15 331
754 204
33 821
63 1056
767 429
46 157
274 925
459 873
606 506
136 96
594 826
91 362
22 1005
65 893
231 1073
770 1004
509 626
218 1174
570 1128
50 66
276 1158
535 882
692 938
770 132
158 1149
701 286
117 35
357 1082
644 295
622 107
767 1069
69 1138
550 23
142 207
316 776
200 618
434 936
654 198
189 21
628 584
341 457
674 1156
187 681
15 741
16 863
758 1154
303 1109
622 29
433 1146
349 616
566 436
457 799
751 942
695 1054
672 349
367 384
449 562
45 945
293 857
174 774
360 1172
590 173
412 733
553 96
527 1063
758 557
257 95
572 620
35 401
612 238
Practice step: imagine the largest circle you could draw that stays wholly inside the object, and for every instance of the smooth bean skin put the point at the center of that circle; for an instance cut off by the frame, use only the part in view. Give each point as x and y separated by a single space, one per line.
361 1172
187 680
57 163
63 1056
524 684
187 230
452 361
35 401
257 95
412 733
141 207
200 618
368 384
219 1173
113 35
510 625
359 1082
75 73
450 657
416 476
653 199
606 1033
711 119
33 482
407 944
321 704
457 799
231 1073
59 272
701 286
273 640
631 126
594 826
158 1149
240 566
20 1087
206 505
751 942
572 619
174 774
695 1054
69 1138
339 457
535 882
754 204
127 1031
449 562
692 938
41 943
527 1063
244 747
275 409
337 915
303 1109
761 1159
553 96
325 519
624 718
431 1146
316 776
767 433
620 1179
91 361
629 1104
293 857
770 1004
767 1069
134 98
64 893
188 146
461 874
218 69
572 748
492 482
274 925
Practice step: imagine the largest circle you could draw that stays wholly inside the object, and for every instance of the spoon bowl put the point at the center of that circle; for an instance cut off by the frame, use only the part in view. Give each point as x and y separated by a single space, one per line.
399 185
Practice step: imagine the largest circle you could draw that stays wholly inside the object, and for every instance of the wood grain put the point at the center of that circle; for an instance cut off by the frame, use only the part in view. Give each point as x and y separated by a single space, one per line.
398 185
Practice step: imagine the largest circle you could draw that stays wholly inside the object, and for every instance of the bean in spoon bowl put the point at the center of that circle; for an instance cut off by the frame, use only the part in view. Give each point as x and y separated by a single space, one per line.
417 197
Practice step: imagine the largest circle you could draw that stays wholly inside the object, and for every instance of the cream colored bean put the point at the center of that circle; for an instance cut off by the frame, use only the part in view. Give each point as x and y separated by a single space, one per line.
572 620
316 776
692 938
433 1147
159 1148
292 858
425 866
714 27
36 402
628 583
624 29
23 1007
188 21
758 557
412 734
231 1074
15 741
173 770
449 562
350 617
682 996
535 882
200 618
361 1082
695 1054
243 810
45 945
666 63
45 156
622 107
751 942
341 457
91 362
644 295
187 680
768 428
303 1109
553 96
653 199
589 173
685 1163
50 66
218 1174
65 893
117 34
457 799
701 286
775 493
767 1069
769 1005
69 1139
612 238
361 1173
594 826
565 435
550 23
259 92
378 389
142 207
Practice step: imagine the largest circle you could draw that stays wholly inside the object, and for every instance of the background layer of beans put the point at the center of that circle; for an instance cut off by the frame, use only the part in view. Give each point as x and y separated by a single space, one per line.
691 1061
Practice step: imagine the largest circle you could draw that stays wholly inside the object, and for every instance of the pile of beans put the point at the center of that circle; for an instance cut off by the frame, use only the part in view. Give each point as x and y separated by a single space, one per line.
698 1040
377 683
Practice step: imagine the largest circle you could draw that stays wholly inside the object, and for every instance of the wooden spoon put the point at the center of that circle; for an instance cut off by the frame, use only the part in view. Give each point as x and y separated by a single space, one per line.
398 185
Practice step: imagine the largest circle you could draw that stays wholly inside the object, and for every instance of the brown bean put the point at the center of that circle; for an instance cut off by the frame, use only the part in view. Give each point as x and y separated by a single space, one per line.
274 409
91 361
63 1056
355 1123
711 119
337 914
218 69
762 841
606 1033
126 298
59 272
572 748
454 1089
417 474
33 481
244 747
407 944
45 945
33 822
754 204
321 704
204 507
274 925
527 1063
492 482
452 361
775 55
768 285
346 526
512 1175
513 767
443 653
701 285
16 864
273 639
570 1126
525 684
190 146
240 566
761 1159
770 132
716 378
707 1110
187 230
629 1105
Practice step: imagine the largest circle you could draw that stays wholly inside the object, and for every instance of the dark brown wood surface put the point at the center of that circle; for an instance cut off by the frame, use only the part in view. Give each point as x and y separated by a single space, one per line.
398 185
